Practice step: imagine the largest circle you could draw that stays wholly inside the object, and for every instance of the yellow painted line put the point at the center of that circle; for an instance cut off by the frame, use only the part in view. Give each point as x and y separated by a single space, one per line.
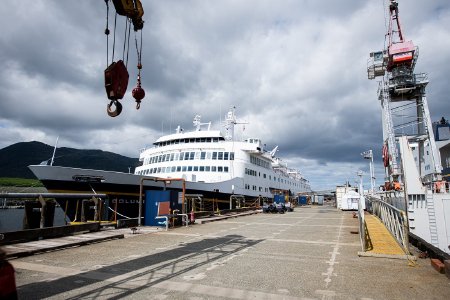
381 240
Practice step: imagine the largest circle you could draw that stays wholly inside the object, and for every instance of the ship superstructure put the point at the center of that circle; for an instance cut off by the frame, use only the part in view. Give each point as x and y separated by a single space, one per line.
209 156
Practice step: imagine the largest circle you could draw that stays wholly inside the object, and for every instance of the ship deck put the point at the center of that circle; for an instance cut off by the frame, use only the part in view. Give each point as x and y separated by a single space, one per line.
311 253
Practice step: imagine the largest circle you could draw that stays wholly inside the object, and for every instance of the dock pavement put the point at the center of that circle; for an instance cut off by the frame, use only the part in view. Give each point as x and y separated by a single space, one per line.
310 253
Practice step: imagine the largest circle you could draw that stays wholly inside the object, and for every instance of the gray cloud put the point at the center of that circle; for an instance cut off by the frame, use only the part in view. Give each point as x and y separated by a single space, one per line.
295 70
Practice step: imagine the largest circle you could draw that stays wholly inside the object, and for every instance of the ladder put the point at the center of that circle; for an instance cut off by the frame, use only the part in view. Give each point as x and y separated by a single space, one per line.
432 220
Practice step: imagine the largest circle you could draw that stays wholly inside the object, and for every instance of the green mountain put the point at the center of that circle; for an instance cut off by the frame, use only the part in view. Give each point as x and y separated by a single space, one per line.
15 159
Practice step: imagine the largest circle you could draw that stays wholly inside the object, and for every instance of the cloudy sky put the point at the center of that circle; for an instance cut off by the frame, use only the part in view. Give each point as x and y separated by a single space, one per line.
295 70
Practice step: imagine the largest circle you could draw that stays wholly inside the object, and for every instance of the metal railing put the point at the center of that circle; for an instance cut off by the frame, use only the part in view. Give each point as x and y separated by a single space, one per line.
393 218
362 226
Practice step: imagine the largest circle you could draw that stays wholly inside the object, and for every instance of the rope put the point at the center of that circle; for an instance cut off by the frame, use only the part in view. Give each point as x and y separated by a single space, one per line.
107 32
114 40
118 213
139 54
128 46
125 40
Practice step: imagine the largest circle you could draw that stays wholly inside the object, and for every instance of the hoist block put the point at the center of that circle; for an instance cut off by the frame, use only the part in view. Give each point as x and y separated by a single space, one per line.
116 80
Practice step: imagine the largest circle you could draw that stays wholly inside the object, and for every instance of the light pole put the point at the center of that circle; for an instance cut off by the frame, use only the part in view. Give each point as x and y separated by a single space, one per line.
369 155
360 175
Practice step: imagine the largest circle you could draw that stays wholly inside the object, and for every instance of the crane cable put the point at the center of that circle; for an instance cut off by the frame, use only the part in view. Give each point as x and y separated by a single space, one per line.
107 32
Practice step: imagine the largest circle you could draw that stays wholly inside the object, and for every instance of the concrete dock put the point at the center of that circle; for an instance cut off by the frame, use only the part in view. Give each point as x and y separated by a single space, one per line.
310 253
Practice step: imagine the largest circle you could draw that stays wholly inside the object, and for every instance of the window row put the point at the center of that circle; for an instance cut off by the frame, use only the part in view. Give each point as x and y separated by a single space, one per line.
191 140
259 162
173 169
193 155
256 188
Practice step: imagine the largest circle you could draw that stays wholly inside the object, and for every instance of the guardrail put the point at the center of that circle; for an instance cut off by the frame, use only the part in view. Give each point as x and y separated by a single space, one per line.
393 218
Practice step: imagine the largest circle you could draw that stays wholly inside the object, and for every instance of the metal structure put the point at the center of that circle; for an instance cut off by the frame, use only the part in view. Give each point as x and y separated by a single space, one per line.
393 218
410 155
403 100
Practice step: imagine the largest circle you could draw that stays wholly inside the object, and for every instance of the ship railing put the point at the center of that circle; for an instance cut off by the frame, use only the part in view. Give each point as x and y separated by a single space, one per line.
393 218
439 187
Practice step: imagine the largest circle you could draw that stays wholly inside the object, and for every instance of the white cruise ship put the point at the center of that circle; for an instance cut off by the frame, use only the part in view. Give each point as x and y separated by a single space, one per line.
210 156
209 164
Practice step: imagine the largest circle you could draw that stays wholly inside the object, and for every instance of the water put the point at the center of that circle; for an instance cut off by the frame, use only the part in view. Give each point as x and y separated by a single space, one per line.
12 219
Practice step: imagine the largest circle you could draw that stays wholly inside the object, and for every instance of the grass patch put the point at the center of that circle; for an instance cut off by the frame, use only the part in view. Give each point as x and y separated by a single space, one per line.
20 182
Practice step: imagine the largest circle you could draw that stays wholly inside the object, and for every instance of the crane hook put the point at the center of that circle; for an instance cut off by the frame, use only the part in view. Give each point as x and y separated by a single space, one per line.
138 92
115 112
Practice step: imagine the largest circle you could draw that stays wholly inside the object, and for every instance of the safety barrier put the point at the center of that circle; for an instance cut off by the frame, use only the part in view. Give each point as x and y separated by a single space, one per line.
393 218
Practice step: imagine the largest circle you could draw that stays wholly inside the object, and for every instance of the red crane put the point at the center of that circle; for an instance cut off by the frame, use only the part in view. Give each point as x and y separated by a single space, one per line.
116 74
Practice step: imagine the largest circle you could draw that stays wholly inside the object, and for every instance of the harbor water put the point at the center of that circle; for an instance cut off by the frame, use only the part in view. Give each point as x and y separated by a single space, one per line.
11 219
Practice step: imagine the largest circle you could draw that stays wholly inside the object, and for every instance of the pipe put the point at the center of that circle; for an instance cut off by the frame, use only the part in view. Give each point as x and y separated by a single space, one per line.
167 220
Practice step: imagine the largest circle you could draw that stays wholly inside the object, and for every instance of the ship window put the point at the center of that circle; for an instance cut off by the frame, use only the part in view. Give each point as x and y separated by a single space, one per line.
219 169
167 157
195 168
215 140
225 155
208 155
197 155
202 140
190 169
178 168
213 168
186 140
177 141
184 169
202 168
171 156
197 140
186 155
177 156
220 156
160 158
174 169
231 155
167 169
158 170
191 156
203 155
181 155
191 140
207 168
264 175
214 155
208 140
225 169
181 141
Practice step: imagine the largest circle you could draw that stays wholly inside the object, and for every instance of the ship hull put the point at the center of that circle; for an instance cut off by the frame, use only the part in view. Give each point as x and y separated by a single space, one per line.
123 189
